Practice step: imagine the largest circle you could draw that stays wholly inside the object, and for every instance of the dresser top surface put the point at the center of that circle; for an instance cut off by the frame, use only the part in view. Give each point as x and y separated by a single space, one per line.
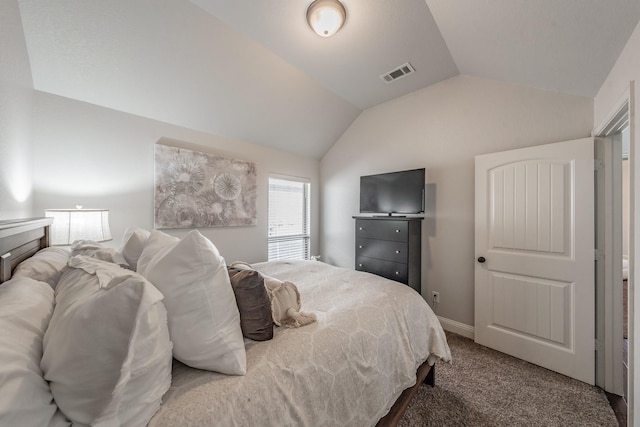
389 218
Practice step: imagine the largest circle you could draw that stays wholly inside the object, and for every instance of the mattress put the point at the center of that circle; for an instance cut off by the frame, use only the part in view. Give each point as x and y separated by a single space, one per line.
347 369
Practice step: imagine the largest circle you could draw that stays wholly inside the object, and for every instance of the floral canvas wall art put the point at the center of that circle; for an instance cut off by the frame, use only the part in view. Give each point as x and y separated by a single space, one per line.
199 190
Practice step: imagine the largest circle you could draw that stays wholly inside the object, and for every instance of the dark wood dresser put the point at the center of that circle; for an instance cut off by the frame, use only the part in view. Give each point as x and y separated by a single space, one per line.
390 247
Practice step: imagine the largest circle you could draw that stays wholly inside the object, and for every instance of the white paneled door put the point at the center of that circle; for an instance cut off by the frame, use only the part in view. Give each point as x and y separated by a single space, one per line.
534 247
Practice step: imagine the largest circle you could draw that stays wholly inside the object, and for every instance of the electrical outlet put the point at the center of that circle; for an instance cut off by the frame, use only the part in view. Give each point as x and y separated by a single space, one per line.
435 297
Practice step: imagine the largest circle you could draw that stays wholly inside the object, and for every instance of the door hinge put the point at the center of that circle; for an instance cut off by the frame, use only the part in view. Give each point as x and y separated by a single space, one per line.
598 164
598 255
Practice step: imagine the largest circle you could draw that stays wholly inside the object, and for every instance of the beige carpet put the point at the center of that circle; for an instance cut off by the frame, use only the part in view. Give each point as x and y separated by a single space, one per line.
483 387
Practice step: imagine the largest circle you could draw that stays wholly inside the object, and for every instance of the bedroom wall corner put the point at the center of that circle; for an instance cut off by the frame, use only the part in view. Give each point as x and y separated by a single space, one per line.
441 128
16 91
103 158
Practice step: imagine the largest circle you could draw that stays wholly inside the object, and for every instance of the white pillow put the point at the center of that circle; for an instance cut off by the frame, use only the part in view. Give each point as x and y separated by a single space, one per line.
26 306
133 243
107 352
204 322
156 242
46 265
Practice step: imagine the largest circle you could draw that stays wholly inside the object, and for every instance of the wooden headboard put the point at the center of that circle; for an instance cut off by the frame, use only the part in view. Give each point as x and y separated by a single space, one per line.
20 239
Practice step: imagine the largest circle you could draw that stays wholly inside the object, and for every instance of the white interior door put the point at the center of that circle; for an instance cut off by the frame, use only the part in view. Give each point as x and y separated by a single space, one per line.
534 246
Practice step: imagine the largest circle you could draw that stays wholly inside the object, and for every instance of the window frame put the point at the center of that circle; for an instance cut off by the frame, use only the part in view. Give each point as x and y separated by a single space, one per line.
305 236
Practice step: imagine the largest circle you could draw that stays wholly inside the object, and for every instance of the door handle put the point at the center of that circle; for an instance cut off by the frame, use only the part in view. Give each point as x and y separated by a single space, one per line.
481 260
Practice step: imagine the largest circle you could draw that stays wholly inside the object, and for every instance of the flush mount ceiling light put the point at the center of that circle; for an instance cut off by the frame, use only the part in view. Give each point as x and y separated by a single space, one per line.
326 17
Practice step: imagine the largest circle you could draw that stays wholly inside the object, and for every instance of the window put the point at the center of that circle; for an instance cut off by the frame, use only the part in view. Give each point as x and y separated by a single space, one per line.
288 218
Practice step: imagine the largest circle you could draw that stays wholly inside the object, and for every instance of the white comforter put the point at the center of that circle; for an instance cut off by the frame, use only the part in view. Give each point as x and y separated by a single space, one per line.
347 368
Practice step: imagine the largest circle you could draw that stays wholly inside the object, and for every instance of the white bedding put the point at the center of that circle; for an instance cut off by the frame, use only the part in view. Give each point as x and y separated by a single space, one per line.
347 368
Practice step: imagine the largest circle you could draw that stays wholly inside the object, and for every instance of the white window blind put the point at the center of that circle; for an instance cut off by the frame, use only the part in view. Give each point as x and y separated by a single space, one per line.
288 219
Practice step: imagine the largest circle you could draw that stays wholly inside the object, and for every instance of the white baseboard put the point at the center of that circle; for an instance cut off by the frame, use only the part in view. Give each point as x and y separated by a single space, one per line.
457 327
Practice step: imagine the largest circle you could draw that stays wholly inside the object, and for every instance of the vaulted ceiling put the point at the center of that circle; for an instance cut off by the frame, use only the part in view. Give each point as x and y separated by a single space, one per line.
253 70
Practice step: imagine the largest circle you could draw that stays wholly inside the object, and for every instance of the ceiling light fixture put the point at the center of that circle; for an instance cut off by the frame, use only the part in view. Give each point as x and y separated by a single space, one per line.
326 17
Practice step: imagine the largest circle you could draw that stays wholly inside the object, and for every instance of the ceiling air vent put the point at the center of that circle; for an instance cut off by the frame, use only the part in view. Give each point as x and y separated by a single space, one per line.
398 73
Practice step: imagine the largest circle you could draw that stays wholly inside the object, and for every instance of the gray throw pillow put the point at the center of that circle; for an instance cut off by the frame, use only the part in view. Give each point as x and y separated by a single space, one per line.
253 303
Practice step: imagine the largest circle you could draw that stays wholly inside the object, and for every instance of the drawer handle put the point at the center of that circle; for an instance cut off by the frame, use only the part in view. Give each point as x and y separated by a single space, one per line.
360 246
361 228
359 265
397 252
397 273
397 231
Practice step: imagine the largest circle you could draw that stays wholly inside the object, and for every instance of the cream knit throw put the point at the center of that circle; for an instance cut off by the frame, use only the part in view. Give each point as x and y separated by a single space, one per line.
285 300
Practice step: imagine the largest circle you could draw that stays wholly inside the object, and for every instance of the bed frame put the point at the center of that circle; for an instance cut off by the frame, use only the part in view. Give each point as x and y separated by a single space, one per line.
426 374
20 239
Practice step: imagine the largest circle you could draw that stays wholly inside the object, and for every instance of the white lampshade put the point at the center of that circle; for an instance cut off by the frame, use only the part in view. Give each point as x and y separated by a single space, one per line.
326 17
70 225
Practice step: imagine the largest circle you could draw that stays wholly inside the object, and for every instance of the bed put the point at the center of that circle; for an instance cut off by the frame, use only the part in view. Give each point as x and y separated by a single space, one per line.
373 344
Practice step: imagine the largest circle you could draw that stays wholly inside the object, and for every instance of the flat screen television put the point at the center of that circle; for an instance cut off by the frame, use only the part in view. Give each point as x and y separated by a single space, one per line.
393 193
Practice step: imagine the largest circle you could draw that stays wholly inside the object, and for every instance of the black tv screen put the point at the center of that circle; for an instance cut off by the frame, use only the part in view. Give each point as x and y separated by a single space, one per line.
394 192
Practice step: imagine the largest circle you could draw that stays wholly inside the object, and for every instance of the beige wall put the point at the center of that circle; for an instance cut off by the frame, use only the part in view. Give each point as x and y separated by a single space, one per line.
616 86
441 128
16 89
56 153
102 158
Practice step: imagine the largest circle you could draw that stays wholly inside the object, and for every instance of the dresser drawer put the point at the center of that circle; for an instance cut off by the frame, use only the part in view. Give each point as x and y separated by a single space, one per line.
382 249
382 229
390 270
